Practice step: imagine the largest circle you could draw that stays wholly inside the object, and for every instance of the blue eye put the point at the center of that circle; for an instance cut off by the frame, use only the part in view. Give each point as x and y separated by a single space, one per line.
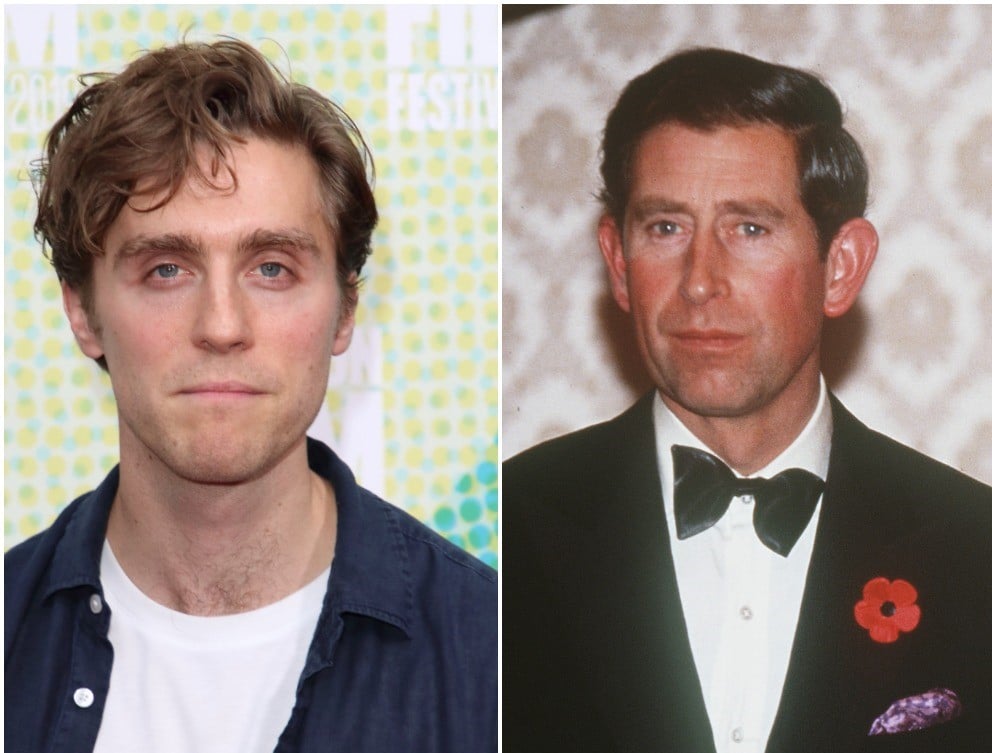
270 269
166 271
665 227
751 229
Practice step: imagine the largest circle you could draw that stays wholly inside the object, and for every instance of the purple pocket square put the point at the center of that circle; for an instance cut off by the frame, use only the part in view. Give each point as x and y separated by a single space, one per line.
916 712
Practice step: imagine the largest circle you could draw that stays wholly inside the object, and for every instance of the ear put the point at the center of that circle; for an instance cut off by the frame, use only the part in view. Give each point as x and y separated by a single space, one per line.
611 247
87 334
849 260
346 322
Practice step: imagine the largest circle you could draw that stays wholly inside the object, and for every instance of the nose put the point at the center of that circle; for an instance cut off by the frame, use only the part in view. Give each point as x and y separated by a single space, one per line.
704 275
223 321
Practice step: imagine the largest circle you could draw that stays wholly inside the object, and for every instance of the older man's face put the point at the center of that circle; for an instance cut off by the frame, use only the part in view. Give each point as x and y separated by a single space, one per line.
218 314
717 261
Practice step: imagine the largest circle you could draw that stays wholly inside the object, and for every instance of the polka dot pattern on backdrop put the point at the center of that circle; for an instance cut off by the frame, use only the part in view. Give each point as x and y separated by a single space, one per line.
431 284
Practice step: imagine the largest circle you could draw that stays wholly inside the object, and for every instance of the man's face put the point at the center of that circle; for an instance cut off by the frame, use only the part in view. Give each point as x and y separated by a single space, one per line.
218 314
717 262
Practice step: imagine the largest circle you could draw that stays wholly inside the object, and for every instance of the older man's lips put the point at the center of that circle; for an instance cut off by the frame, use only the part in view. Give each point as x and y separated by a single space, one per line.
708 339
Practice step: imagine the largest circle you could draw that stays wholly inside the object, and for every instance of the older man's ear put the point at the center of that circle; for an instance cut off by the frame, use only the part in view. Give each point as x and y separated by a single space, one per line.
849 259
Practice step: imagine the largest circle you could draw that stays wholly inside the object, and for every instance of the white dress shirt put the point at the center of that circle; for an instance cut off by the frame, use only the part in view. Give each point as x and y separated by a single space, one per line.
741 600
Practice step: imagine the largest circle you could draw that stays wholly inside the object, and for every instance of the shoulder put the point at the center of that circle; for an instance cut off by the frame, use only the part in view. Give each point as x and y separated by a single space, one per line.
446 586
376 537
885 470
559 453
426 544
27 561
874 454
24 568
578 456
450 598
38 564
74 540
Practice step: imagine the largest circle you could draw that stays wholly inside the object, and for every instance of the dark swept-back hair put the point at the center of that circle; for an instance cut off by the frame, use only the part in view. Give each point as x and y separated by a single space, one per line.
710 88
137 133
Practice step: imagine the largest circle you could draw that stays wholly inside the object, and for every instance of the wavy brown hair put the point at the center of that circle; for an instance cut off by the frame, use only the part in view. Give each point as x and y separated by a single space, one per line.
137 133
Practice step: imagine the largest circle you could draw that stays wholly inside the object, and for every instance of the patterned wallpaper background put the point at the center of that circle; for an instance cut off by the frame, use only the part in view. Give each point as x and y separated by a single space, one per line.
913 360
412 406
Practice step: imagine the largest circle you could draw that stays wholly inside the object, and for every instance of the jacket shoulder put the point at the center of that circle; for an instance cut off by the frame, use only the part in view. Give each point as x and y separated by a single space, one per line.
929 495
874 455
577 458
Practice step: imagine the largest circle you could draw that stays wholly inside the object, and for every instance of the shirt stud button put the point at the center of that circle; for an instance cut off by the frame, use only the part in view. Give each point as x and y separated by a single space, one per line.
83 697
746 613
747 499
96 604
737 735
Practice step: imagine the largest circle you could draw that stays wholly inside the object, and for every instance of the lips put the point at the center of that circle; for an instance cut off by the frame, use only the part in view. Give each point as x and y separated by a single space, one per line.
707 341
221 389
706 336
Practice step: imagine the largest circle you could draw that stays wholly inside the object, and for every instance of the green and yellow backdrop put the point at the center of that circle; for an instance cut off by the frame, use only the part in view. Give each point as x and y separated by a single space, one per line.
412 406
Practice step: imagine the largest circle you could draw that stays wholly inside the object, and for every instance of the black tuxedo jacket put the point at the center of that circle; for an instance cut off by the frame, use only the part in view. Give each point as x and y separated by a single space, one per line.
595 651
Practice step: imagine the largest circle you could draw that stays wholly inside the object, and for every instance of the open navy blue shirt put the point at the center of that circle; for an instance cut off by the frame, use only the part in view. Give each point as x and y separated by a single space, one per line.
404 657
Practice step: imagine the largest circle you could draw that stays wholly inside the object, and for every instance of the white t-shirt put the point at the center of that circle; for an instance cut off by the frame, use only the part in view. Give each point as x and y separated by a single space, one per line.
201 684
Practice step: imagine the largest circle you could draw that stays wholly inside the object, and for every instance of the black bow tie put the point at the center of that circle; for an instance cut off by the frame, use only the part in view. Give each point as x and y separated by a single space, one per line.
704 487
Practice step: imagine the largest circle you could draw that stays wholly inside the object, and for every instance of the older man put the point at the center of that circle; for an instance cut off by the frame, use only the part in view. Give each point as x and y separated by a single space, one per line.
736 563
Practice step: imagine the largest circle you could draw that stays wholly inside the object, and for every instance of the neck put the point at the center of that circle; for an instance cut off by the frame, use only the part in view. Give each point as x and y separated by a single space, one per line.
210 549
749 442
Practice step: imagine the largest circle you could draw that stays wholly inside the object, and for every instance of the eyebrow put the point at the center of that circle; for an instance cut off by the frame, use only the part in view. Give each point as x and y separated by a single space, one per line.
183 243
751 207
143 245
294 238
754 208
656 205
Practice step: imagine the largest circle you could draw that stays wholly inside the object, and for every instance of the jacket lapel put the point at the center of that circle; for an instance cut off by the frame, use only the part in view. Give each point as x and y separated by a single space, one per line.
838 679
646 674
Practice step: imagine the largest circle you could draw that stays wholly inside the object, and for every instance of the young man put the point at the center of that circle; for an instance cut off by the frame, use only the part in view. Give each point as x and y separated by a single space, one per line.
229 587
659 595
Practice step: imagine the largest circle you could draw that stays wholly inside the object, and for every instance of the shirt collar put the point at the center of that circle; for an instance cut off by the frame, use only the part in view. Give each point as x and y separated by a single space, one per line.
76 561
369 573
810 450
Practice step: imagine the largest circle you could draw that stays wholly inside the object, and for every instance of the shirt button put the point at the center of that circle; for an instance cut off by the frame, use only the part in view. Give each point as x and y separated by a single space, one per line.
96 604
747 499
737 735
746 613
83 698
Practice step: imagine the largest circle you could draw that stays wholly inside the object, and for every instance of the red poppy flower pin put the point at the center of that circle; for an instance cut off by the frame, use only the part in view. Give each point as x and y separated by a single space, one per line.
887 609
